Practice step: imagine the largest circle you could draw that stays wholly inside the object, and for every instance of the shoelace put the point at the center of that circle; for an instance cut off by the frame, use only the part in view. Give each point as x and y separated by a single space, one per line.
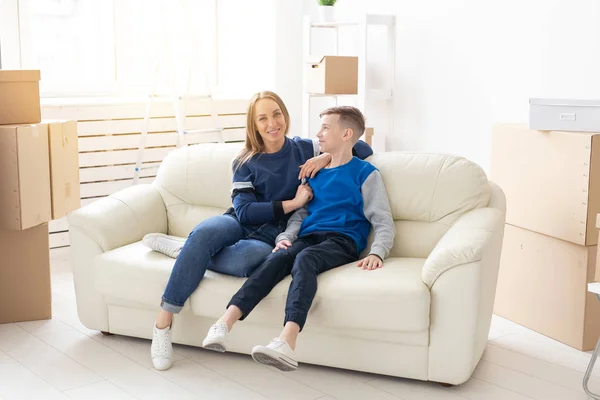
276 344
161 343
164 248
218 329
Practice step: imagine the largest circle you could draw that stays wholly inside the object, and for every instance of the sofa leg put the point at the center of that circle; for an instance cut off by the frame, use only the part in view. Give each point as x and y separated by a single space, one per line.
106 333
443 384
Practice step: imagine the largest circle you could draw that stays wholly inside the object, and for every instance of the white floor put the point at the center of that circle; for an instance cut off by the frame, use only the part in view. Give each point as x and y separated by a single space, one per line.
61 359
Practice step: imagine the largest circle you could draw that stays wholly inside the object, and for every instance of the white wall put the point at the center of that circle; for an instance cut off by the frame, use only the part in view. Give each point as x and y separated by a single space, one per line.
288 59
247 40
463 65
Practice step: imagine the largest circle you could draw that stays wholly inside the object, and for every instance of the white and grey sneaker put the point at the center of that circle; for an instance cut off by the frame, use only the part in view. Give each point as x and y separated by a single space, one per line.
216 337
168 245
278 353
162 348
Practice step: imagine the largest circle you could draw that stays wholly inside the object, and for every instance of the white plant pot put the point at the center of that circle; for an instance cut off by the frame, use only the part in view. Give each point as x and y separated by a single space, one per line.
327 13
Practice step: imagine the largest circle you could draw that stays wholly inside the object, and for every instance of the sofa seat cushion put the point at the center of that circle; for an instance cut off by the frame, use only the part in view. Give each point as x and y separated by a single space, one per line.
136 274
393 298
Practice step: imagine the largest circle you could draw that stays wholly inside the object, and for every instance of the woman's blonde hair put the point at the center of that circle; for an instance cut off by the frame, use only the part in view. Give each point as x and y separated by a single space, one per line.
254 142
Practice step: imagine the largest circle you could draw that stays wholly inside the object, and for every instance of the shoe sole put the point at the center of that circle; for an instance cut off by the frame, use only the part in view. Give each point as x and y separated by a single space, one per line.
274 360
215 347
163 368
151 241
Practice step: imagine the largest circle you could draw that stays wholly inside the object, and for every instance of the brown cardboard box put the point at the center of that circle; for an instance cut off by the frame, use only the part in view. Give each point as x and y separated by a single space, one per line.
24 176
597 277
333 75
64 167
542 285
25 291
369 136
551 180
19 97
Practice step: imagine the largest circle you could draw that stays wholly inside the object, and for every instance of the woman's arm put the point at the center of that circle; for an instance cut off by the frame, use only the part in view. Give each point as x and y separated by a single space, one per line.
320 160
250 211
362 150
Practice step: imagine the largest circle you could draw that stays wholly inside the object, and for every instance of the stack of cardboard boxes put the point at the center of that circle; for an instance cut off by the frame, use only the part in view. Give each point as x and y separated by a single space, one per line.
39 182
552 184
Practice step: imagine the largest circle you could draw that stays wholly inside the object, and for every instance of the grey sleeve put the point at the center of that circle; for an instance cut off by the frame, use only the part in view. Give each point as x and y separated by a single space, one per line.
378 212
316 148
293 226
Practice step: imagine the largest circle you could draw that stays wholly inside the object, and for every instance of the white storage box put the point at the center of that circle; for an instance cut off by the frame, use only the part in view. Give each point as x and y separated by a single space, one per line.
564 115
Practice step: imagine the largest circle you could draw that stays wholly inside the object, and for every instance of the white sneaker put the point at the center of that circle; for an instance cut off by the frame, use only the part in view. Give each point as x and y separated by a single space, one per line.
278 353
168 245
215 339
162 349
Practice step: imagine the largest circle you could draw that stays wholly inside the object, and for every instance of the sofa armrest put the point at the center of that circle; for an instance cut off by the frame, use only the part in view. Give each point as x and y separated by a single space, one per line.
123 217
462 272
462 244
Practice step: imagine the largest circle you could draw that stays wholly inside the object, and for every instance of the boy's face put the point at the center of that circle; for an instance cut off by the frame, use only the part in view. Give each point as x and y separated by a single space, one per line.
331 135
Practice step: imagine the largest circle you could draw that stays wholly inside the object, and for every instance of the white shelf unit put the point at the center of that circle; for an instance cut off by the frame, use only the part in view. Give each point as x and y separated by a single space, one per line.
366 92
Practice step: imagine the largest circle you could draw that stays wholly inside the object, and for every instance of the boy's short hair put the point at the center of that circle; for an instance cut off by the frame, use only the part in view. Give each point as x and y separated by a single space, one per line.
350 117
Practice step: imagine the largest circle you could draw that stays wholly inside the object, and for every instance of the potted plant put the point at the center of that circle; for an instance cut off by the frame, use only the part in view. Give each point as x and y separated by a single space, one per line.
326 10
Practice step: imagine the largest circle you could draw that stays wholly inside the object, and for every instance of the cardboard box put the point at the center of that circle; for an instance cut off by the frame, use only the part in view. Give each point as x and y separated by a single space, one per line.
332 75
368 136
24 176
551 180
19 97
64 167
564 115
25 290
597 277
542 285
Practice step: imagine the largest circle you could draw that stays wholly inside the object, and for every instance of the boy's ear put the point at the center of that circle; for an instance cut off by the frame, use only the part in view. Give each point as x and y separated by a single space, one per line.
348 133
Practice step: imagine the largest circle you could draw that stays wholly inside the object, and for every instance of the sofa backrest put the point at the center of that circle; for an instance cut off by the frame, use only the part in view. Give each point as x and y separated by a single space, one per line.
195 183
427 192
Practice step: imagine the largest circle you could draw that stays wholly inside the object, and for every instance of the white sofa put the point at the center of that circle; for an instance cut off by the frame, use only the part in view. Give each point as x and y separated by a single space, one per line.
425 315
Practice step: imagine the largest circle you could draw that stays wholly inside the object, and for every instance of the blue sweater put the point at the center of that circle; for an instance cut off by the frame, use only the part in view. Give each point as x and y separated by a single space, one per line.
339 205
266 180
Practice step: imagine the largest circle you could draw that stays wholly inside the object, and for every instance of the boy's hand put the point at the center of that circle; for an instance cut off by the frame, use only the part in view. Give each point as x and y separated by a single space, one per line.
282 244
370 262
310 168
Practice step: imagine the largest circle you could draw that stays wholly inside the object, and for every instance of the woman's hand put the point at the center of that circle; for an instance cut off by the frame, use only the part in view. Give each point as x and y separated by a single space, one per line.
370 262
304 194
310 168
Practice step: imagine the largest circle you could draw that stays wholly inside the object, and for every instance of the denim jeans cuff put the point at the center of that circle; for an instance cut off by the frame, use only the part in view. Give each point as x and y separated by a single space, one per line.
168 307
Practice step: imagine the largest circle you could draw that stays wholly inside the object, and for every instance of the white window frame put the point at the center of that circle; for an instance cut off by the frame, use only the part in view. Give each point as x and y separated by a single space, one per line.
10 49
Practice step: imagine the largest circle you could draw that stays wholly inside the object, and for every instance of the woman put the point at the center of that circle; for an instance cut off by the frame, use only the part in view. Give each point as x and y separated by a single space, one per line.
266 191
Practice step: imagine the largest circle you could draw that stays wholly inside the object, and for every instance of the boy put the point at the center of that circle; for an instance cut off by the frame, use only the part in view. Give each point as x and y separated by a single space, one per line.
349 198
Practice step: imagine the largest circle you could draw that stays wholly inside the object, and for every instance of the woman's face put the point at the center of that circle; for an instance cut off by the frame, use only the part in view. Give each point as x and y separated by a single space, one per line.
270 122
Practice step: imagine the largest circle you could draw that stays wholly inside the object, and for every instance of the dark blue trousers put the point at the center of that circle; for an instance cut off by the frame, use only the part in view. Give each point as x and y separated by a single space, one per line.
308 256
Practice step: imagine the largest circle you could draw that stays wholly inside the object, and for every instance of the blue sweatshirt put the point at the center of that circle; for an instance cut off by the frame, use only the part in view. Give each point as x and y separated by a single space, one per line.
266 180
349 199
339 205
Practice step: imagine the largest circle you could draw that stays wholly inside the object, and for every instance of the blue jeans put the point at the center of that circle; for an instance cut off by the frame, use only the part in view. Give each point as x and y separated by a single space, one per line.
308 257
221 244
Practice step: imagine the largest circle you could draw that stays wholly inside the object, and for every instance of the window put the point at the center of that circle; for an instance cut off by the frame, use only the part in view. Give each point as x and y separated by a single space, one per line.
71 41
91 47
